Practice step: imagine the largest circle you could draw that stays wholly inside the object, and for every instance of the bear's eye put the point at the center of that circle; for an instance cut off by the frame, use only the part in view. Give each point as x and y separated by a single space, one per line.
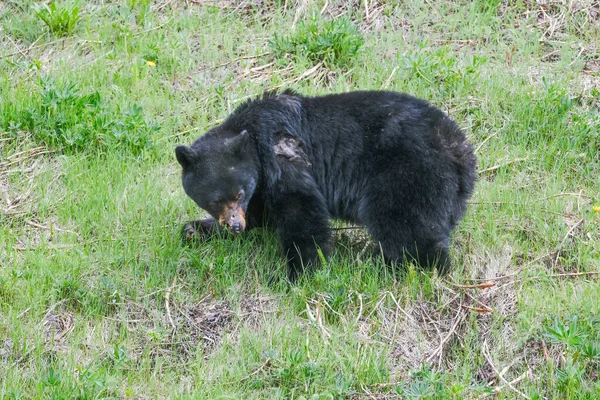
216 203
240 195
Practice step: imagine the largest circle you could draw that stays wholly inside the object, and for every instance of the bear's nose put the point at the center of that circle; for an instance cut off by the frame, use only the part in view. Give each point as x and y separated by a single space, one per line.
235 227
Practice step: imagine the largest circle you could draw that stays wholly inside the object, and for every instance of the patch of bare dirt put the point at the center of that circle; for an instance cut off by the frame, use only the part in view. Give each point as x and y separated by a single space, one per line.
421 331
57 325
178 329
206 321
254 308
553 16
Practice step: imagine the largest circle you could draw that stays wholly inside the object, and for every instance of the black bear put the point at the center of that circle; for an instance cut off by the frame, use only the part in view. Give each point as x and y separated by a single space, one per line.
385 160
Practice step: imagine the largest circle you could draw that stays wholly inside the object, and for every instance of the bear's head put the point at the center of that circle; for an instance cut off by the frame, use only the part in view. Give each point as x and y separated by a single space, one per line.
220 175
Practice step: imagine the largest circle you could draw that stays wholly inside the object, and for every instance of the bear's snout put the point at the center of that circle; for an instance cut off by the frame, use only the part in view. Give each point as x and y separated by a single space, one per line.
235 227
234 219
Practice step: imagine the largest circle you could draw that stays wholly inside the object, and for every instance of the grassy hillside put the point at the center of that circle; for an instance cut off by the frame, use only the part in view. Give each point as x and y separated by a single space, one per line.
99 298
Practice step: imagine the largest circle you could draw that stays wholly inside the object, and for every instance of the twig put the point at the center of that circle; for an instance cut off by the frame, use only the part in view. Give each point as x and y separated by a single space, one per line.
163 5
234 60
306 74
31 48
459 317
545 351
360 310
17 47
389 79
566 194
51 228
478 309
577 57
552 53
562 242
461 41
484 285
29 152
490 362
343 228
318 319
324 7
259 68
495 167
257 370
574 274
482 305
13 162
167 297
484 141
22 313
400 308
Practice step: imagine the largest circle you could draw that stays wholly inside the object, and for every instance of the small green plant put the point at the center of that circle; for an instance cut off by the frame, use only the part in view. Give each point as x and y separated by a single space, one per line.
333 42
570 334
53 378
60 19
582 352
487 6
62 117
426 384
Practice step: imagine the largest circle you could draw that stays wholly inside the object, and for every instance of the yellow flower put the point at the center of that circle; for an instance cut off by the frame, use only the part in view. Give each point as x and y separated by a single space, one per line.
151 63
596 208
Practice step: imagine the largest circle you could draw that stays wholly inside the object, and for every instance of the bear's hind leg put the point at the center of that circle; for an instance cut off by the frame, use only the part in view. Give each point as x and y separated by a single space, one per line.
427 253
402 239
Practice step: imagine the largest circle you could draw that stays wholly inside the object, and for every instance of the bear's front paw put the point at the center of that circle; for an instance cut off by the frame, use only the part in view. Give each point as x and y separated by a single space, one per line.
189 232
199 230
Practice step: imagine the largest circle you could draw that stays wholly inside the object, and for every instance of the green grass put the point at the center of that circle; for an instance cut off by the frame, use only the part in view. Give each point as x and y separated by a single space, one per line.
99 298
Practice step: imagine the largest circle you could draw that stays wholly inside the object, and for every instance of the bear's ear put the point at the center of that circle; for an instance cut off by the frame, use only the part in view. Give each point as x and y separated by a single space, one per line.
238 143
185 155
289 148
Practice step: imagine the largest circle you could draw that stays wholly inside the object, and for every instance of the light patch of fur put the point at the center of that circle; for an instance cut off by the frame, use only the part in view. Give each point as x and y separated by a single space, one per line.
289 148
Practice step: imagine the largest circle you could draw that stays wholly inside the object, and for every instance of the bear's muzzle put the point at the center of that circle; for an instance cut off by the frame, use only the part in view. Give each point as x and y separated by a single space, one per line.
233 218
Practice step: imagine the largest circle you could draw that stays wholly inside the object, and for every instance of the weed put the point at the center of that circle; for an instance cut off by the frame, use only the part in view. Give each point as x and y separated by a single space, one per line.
334 42
61 20
580 337
63 118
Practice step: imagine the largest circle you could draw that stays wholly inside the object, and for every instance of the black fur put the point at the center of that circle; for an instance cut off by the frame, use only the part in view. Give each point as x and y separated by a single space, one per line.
385 160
